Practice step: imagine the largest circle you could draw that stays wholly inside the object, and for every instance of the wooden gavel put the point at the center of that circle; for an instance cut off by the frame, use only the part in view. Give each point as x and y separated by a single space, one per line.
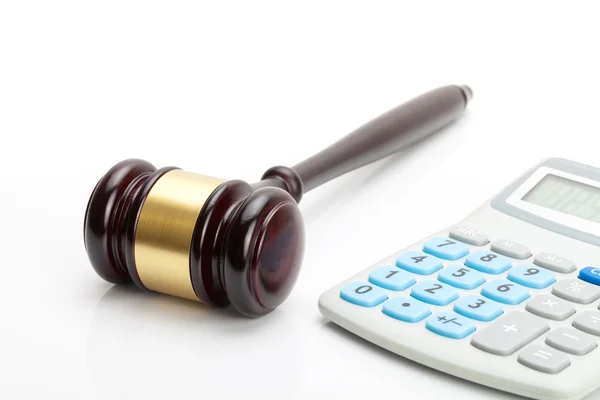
229 242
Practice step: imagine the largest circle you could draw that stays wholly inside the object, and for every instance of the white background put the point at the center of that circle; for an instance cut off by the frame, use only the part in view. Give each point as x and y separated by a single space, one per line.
229 89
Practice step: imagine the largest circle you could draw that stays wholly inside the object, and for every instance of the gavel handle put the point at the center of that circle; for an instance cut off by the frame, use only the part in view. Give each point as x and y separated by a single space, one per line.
385 135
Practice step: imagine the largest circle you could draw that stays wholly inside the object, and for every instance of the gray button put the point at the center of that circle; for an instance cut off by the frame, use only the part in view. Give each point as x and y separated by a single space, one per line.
554 263
511 249
469 236
571 341
588 321
551 307
544 359
509 333
577 291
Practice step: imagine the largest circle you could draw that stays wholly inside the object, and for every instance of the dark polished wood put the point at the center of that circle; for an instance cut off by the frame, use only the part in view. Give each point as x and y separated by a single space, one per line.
265 246
385 135
111 215
248 240
209 241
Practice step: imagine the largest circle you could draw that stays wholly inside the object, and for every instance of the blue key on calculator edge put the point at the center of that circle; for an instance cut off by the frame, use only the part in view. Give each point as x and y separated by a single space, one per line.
450 325
477 307
461 277
505 291
434 292
590 275
446 248
531 276
488 262
363 294
418 262
391 278
406 309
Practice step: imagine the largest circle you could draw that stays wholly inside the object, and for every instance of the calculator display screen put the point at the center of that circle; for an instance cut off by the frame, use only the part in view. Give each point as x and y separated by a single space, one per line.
566 196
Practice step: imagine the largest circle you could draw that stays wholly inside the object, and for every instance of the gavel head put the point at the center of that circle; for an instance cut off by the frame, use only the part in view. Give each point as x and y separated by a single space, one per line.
196 237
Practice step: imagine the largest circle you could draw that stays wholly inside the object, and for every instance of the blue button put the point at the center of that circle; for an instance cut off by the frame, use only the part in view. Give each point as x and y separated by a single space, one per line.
406 309
505 291
591 275
450 325
479 308
419 263
391 278
488 262
461 277
532 276
434 292
445 248
363 294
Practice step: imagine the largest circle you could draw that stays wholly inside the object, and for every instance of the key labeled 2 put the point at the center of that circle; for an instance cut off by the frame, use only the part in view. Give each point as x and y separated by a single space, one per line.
434 292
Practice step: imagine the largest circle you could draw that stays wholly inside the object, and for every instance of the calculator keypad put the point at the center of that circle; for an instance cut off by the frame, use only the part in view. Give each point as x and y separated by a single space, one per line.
509 333
554 263
469 236
461 277
363 294
406 309
531 276
434 292
551 307
478 308
588 321
488 262
576 290
391 278
571 341
505 291
446 249
504 330
590 275
450 325
544 359
419 263
511 249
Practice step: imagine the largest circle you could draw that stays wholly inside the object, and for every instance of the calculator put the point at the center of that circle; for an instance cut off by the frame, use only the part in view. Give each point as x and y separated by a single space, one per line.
507 297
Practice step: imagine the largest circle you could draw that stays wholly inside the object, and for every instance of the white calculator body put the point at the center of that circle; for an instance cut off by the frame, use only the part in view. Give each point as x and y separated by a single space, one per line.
506 298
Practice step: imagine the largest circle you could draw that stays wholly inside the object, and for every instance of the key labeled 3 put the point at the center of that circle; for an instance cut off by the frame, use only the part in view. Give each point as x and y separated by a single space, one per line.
479 308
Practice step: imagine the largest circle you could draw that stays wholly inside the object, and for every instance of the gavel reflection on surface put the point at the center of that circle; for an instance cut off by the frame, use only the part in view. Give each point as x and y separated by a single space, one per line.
230 242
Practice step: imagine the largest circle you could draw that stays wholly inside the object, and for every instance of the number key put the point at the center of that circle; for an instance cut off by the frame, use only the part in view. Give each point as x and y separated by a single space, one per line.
479 308
488 262
461 277
392 278
363 294
434 292
445 248
531 276
505 291
419 263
